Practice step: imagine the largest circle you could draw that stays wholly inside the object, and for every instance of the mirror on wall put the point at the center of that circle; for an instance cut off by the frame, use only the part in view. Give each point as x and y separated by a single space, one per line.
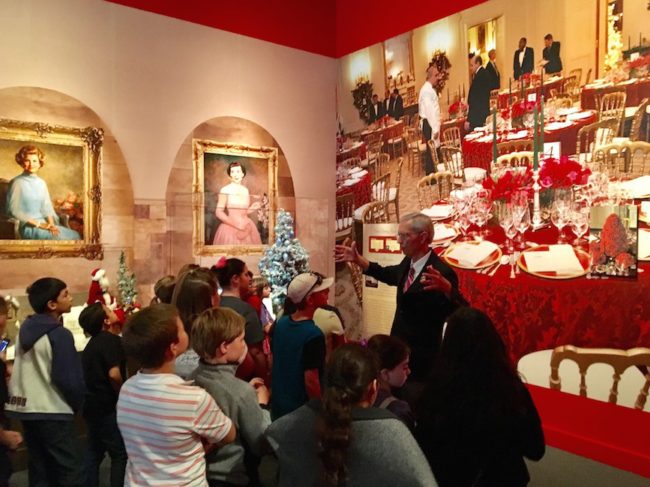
398 64
482 37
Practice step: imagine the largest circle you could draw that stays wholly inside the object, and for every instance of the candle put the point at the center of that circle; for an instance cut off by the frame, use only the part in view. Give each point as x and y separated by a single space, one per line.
535 147
463 91
509 91
541 131
629 42
447 97
494 137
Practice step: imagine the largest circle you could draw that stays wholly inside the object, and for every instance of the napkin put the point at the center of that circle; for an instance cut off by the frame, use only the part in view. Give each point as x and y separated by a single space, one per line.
438 211
470 254
355 169
645 209
361 173
350 182
579 115
560 259
487 138
521 134
443 232
557 125
568 111
644 244
639 187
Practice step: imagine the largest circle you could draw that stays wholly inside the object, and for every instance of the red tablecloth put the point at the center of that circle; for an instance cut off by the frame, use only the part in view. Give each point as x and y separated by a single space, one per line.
388 132
362 190
555 84
358 150
636 92
532 313
477 153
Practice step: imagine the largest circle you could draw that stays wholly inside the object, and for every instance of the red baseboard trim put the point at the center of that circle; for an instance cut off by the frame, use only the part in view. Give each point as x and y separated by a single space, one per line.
614 435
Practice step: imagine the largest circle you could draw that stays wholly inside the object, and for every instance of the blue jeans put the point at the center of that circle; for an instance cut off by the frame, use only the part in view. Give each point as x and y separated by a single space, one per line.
104 437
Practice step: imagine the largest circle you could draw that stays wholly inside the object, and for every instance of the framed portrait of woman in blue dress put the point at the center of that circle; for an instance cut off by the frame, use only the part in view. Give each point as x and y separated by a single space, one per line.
50 195
234 197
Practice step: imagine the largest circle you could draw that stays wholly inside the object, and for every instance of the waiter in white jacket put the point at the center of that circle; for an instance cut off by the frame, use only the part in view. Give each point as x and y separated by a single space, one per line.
429 111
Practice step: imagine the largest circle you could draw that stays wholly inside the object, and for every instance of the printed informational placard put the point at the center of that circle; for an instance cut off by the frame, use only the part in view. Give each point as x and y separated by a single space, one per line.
380 245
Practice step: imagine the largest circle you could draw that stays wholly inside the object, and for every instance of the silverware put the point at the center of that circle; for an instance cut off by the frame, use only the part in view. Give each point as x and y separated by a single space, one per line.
517 255
512 266
487 269
493 271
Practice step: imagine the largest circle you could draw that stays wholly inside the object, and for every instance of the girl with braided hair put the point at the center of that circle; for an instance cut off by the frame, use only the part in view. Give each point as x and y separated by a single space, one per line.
343 440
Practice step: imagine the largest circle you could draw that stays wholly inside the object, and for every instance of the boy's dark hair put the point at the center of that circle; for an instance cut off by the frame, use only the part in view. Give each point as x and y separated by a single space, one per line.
390 350
92 319
44 290
4 308
148 334
164 289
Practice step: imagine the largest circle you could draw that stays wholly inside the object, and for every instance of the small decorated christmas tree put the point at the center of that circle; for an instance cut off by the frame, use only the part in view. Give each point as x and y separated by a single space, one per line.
285 259
127 284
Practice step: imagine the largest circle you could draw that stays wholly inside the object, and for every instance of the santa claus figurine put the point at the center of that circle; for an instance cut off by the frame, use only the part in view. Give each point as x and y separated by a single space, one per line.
99 292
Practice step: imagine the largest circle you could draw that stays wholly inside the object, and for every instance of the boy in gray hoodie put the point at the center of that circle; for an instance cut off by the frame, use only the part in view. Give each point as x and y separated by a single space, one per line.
47 388
218 338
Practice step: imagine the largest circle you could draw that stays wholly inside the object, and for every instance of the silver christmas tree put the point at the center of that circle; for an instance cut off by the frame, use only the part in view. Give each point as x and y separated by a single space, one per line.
126 283
285 259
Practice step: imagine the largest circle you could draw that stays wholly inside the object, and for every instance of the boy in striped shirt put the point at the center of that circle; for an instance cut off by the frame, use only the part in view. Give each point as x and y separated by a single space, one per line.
162 417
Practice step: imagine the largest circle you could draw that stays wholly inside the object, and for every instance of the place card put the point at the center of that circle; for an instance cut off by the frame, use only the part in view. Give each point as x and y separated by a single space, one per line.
470 254
638 188
560 259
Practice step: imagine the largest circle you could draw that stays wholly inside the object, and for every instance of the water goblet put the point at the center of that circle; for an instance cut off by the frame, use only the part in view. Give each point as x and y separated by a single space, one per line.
579 224
559 219
523 224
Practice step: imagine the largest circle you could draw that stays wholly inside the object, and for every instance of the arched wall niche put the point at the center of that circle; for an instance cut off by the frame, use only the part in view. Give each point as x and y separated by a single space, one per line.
225 129
35 104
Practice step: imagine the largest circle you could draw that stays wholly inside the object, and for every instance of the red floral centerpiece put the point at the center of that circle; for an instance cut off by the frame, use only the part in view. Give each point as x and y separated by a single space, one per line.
457 109
512 181
562 173
640 67
520 110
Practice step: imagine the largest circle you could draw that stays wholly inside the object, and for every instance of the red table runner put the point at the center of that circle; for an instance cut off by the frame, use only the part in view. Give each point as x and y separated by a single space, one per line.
361 190
636 92
477 153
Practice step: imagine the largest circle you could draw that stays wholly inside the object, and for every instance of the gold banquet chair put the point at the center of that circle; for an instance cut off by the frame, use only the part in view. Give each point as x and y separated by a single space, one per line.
638 158
375 212
379 193
433 188
344 216
604 374
612 106
612 156
637 121
514 159
514 146
592 136
577 74
393 191
451 137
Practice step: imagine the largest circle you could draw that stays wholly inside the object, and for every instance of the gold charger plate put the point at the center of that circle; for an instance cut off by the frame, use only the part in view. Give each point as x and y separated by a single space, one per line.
493 258
582 256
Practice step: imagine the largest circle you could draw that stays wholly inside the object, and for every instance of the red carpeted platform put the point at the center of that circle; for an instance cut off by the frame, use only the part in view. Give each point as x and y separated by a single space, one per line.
614 435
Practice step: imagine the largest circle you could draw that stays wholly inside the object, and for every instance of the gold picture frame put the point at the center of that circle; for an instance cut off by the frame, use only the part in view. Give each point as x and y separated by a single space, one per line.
69 172
248 204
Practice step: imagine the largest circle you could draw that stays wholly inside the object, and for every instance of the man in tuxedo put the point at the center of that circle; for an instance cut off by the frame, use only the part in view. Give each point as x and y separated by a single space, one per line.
429 112
551 54
375 109
427 290
478 97
395 107
524 61
493 71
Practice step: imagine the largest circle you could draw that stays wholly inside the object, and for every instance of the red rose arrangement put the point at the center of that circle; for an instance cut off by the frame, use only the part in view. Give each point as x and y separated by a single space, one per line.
521 108
505 113
510 182
458 107
562 173
640 61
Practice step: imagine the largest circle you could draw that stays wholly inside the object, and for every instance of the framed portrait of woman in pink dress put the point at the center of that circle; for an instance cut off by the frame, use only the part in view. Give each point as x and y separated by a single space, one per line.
234 197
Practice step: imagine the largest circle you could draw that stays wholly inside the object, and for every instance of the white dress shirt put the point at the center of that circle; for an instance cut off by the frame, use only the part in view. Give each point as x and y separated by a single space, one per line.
521 56
429 109
418 265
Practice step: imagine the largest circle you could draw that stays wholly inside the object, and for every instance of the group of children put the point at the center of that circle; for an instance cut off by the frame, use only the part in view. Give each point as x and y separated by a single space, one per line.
197 408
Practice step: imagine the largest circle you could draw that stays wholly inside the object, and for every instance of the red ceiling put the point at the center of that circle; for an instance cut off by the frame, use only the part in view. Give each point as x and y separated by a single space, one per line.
330 27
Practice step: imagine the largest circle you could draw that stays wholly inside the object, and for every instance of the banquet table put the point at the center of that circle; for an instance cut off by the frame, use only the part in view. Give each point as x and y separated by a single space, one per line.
636 89
360 187
391 130
552 83
477 152
533 313
357 149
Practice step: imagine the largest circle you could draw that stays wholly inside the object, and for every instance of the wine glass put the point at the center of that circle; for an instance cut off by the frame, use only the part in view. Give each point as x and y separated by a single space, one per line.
523 224
579 223
504 214
559 218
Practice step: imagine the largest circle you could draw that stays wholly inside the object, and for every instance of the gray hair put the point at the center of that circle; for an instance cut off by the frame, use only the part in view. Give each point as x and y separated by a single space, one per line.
419 223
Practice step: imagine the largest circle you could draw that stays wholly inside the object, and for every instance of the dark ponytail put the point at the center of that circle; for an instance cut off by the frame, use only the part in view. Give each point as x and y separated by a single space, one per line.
228 269
350 371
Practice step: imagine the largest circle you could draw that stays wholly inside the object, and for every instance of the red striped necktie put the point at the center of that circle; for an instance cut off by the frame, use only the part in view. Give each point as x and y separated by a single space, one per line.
409 280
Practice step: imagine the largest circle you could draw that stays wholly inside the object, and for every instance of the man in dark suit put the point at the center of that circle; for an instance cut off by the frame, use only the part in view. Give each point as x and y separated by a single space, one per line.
375 109
478 97
551 54
524 61
427 290
395 107
493 71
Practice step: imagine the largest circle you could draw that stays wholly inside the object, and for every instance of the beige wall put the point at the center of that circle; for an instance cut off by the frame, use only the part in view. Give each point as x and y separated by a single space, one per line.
572 22
151 80
636 20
